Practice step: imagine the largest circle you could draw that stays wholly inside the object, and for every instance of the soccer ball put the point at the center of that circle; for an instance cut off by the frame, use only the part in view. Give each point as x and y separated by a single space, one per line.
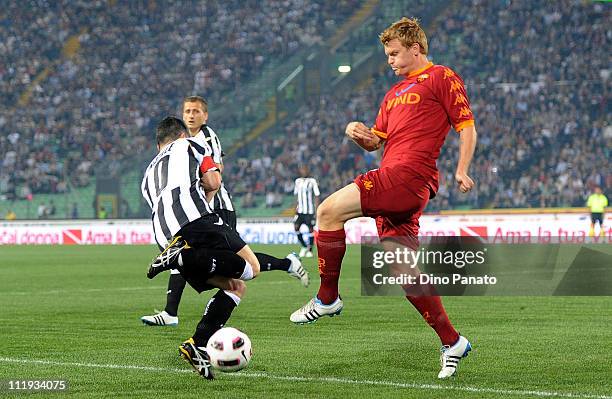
229 349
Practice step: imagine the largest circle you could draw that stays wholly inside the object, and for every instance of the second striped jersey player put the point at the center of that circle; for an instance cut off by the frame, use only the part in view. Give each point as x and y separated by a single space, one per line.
222 201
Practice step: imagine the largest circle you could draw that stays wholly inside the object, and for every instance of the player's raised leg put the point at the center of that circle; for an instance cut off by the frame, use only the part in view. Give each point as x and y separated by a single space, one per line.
260 262
178 254
343 205
257 262
265 263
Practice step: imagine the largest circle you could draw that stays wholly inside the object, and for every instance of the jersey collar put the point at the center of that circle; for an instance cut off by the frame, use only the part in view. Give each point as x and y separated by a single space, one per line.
419 71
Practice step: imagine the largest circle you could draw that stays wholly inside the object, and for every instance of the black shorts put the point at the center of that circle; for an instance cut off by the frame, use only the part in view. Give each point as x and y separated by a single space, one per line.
304 218
202 263
597 217
228 217
214 244
211 232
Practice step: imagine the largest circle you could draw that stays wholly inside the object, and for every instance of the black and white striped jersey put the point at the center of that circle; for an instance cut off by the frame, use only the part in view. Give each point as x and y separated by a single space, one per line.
221 200
306 189
171 187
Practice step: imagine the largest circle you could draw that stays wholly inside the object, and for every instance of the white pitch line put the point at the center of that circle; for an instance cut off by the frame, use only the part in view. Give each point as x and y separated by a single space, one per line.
335 380
103 366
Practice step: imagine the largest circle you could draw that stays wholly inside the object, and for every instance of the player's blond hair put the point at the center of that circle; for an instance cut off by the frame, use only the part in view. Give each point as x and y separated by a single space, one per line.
407 31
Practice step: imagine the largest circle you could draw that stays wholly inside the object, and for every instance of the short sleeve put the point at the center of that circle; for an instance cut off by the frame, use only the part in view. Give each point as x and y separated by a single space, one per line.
453 97
315 188
208 164
216 145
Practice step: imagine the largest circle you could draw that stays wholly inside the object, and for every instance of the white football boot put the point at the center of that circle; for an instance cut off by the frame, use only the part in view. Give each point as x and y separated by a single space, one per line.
297 270
315 309
303 252
160 319
309 254
451 355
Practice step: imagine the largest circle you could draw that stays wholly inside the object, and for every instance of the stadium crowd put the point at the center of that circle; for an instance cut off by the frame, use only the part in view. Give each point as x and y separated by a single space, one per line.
541 114
540 99
132 64
540 96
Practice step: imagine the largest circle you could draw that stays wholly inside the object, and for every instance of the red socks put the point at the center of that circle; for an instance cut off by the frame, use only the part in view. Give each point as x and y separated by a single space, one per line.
331 246
432 310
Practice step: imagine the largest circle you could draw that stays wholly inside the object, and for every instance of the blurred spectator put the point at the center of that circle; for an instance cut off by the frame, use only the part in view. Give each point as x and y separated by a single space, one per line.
273 199
51 210
124 209
248 201
41 211
74 212
270 199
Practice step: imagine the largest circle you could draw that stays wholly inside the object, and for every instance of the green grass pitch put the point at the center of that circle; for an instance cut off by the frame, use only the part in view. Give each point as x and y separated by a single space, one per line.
73 313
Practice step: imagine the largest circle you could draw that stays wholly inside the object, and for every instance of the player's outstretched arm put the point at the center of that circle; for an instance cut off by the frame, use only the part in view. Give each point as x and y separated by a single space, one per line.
466 151
363 136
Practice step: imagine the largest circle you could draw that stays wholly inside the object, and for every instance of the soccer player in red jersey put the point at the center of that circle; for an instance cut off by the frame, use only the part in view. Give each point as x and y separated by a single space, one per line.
414 118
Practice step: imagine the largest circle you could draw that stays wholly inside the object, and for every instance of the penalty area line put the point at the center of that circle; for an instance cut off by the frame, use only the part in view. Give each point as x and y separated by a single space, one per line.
335 380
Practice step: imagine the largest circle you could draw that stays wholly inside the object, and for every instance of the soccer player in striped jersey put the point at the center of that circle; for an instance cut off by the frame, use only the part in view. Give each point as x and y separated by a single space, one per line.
195 116
413 120
307 191
178 185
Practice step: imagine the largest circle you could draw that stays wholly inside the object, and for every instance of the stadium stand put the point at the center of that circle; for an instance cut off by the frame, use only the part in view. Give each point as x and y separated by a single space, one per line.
541 113
83 85
84 82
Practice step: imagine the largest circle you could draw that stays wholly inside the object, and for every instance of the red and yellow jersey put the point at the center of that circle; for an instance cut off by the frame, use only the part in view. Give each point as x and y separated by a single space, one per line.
416 115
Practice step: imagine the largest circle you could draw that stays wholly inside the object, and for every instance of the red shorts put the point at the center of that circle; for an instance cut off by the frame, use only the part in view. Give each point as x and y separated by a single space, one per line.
395 197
